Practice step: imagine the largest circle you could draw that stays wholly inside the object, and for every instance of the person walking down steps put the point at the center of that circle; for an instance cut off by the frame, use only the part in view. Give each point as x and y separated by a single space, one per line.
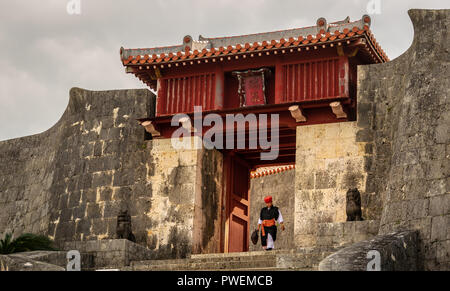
268 219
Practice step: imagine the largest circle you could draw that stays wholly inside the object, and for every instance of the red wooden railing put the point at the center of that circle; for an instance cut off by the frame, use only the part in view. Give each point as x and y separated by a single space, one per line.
180 95
315 80
301 81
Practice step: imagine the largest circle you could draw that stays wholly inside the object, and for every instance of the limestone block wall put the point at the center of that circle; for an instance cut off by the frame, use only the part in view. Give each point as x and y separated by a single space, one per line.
109 254
100 166
329 161
27 262
209 204
339 234
25 180
171 176
186 201
281 187
71 181
404 106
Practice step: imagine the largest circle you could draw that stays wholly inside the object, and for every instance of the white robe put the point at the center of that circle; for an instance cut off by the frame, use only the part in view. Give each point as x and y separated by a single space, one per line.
270 242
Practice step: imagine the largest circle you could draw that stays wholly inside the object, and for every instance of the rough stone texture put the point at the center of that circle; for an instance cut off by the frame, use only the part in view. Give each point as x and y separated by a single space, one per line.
58 258
95 255
110 254
306 259
281 187
208 204
71 181
398 252
404 114
187 190
329 162
33 261
340 234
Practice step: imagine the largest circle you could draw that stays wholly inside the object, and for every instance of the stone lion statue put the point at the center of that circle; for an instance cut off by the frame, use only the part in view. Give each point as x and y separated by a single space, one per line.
123 230
354 205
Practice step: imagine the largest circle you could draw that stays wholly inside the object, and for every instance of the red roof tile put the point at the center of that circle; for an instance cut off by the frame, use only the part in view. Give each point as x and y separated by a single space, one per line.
270 171
324 34
342 31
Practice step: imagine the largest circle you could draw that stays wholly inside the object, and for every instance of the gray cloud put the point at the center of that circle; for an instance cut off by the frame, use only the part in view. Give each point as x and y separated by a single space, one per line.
44 51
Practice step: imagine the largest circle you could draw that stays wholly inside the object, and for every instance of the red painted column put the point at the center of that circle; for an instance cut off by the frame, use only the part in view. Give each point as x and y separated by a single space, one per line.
219 88
344 75
279 82
160 97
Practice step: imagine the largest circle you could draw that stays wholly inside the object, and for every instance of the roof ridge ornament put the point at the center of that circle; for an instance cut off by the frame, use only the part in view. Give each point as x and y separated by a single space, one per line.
187 43
366 20
321 35
322 25
345 21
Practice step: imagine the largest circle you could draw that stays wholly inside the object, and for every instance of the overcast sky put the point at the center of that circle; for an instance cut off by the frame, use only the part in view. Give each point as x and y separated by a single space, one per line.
45 51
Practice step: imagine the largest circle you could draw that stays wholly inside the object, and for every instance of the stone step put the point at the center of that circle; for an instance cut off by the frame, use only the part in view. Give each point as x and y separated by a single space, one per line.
299 251
280 269
243 254
300 259
221 265
203 260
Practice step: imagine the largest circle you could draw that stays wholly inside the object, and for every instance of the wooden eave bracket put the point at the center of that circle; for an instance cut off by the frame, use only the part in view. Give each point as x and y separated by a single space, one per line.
338 110
297 113
187 125
150 128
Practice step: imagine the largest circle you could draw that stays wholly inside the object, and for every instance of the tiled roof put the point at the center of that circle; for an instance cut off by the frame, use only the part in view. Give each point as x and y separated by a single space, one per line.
262 172
206 48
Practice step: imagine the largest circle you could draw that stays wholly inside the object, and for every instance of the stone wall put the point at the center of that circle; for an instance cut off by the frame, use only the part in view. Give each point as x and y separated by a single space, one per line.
71 181
107 254
31 262
329 162
186 200
281 187
398 252
339 234
209 204
404 112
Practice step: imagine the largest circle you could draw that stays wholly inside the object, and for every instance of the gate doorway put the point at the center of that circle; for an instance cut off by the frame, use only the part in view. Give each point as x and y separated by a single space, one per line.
237 167
238 203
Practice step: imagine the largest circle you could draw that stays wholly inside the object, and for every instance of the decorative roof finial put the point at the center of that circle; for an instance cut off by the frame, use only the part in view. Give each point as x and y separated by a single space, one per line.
322 24
187 43
366 20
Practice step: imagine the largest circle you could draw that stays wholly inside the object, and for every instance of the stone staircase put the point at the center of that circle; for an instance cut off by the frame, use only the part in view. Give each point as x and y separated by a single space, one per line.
306 259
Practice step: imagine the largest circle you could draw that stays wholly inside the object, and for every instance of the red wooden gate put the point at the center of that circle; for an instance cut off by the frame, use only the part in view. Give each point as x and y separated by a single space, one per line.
239 207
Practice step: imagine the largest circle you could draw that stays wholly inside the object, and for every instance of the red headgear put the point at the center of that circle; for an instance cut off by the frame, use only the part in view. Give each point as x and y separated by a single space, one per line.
268 199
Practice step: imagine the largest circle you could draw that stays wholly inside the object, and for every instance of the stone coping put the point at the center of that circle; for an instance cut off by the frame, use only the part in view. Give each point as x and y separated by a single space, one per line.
397 251
262 253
